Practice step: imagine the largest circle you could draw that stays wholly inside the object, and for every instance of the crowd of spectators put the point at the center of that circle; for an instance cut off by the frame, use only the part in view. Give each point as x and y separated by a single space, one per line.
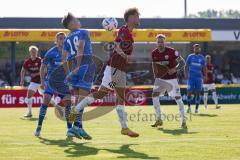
6 78
142 75
138 74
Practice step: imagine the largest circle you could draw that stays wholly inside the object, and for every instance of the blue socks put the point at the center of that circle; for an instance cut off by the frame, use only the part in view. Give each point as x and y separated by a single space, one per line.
189 100
78 119
77 122
197 102
42 113
67 114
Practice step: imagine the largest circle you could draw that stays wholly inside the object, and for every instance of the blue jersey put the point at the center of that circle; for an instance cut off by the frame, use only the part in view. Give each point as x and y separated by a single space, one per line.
53 59
195 64
71 45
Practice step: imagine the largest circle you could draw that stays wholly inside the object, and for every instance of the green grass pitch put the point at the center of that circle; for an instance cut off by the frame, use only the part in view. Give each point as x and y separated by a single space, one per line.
213 134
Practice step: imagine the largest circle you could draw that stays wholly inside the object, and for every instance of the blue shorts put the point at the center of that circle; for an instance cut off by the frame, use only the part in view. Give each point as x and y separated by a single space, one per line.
62 90
55 83
195 84
84 78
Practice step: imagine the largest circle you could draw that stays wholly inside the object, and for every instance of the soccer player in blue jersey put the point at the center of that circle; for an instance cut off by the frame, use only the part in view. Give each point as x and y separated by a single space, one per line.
115 72
51 61
79 65
194 69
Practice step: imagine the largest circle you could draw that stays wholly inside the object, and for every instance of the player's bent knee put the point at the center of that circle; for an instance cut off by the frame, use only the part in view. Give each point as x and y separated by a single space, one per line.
102 94
103 91
30 93
66 100
120 101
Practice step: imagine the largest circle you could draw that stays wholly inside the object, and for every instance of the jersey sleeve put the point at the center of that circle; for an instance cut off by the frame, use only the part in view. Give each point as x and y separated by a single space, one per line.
203 62
46 58
65 46
83 35
40 62
154 58
188 61
25 65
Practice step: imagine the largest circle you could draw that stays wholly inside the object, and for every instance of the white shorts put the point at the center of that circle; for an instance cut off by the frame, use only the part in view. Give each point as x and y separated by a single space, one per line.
34 87
209 87
170 86
113 78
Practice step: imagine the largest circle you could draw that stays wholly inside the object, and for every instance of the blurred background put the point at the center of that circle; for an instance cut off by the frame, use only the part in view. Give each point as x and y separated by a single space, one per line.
222 19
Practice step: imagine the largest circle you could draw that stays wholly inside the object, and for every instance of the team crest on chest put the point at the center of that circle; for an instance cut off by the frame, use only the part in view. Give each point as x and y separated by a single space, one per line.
166 57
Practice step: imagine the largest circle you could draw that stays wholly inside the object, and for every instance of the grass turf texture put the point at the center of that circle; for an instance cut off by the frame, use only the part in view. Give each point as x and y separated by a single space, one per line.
213 134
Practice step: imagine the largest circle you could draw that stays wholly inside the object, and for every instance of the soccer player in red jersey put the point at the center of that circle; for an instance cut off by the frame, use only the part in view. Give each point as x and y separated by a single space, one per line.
209 85
169 58
32 66
115 71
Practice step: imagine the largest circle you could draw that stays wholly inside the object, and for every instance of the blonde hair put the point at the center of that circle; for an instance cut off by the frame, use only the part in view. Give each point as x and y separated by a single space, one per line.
60 33
32 47
161 36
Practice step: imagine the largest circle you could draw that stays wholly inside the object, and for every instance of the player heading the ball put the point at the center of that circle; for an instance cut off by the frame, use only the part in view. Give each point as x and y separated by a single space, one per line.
115 72
79 66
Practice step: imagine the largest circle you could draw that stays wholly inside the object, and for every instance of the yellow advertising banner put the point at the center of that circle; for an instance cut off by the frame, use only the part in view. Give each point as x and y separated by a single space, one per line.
100 35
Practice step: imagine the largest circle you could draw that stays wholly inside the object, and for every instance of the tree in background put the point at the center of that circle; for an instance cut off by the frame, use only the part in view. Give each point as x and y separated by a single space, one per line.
211 13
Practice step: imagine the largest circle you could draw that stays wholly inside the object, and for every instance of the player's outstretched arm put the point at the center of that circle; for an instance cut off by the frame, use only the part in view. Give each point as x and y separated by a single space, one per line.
22 74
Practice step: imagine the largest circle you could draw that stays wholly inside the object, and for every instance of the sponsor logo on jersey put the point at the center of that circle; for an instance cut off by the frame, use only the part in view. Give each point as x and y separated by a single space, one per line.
58 63
166 56
112 84
164 63
195 64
